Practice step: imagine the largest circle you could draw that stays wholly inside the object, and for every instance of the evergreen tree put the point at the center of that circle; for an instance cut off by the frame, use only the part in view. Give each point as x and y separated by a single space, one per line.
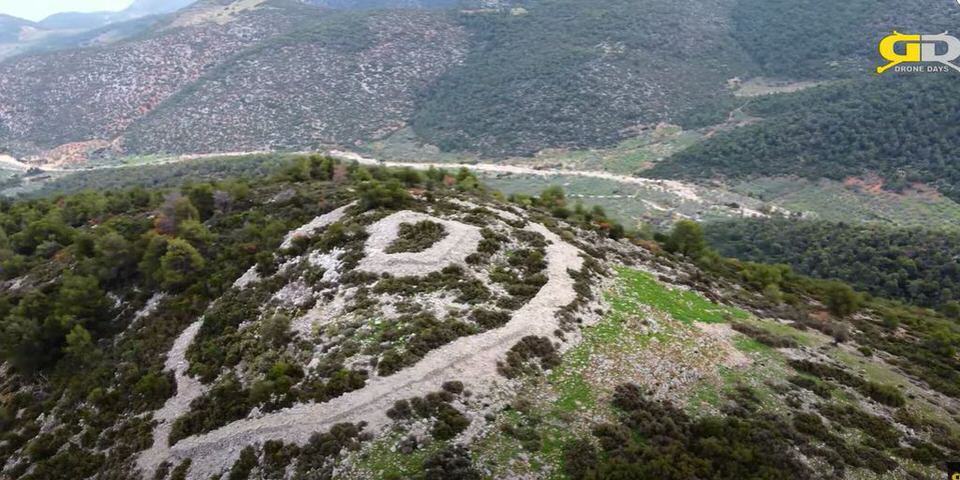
180 266
687 239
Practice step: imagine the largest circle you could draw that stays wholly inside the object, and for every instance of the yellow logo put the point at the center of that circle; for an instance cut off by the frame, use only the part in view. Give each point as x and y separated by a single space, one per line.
898 49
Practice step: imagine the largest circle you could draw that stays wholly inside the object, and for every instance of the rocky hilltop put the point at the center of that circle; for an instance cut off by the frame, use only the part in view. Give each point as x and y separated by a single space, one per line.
343 321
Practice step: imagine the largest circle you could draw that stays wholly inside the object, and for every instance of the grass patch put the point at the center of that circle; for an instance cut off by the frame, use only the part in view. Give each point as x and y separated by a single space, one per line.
810 339
749 345
381 461
683 305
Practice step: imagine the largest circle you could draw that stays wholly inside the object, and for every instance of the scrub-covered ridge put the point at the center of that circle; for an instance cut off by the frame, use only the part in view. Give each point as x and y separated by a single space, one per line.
344 321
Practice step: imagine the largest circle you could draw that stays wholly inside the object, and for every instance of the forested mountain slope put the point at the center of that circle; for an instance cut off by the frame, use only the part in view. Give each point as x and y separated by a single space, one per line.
920 266
899 128
75 30
92 95
816 39
573 73
345 77
371 4
494 78
11 28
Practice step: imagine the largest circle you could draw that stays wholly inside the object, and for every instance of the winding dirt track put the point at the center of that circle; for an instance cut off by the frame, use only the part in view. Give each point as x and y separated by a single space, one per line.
469 359
188 389
685 191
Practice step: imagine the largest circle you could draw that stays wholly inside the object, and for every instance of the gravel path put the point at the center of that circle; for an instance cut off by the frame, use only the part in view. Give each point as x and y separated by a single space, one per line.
469 359
460 242
685 191
188 389
315 225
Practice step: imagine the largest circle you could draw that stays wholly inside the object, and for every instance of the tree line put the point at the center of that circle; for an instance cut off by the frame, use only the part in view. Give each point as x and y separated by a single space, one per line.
919 266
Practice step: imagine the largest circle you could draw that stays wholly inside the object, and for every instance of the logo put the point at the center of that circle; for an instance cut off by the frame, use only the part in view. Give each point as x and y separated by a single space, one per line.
937 51
953 470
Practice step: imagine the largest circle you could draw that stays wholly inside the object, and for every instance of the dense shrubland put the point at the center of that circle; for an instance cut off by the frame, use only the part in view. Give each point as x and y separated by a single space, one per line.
448 422
796 39
854 128
573 73
77 267
918 266
654 439
417 237
928 353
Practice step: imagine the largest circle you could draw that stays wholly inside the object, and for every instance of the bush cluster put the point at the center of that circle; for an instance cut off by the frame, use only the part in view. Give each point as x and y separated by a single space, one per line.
472 290
885 394
765 337
520 357
417 237
427 334
448 421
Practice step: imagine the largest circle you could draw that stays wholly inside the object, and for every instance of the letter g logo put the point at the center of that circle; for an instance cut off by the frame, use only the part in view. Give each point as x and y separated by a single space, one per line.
888 50
943 49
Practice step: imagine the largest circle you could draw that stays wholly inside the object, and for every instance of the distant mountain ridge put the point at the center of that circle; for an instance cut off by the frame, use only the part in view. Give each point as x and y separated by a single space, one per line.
80 29
89 20
10 27
371 4
490 78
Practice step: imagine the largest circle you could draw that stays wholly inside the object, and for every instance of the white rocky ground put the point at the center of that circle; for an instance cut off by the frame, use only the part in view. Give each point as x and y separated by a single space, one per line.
188 389
469 359
315 225
460 242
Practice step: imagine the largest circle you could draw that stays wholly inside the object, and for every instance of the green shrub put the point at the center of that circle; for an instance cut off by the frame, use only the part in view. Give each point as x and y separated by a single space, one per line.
417 237
518 361
452 462
765 337
885 394
449 422
489 319
822 389
244 465
180 473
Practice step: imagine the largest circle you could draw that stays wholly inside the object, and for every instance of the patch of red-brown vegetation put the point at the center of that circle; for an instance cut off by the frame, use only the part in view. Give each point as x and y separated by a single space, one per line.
73 154
876 186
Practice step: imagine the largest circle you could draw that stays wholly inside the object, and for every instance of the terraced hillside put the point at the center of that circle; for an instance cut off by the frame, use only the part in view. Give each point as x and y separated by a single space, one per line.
341 321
